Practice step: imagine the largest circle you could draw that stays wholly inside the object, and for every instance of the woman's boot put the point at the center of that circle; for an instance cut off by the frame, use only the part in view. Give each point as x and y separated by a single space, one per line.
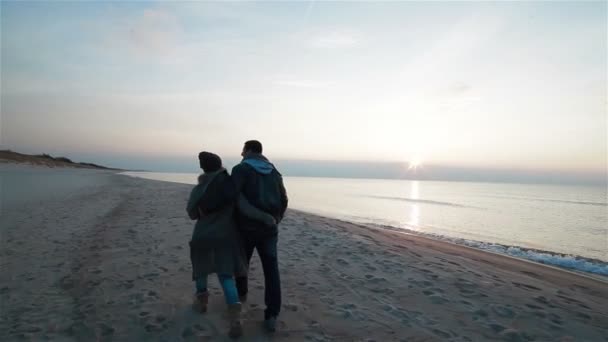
201 299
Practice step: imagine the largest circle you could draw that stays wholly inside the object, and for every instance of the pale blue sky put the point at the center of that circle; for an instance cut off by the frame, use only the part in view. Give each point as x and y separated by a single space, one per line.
493 85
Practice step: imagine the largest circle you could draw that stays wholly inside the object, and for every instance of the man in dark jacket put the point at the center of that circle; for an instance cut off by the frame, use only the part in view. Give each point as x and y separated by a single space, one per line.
262 185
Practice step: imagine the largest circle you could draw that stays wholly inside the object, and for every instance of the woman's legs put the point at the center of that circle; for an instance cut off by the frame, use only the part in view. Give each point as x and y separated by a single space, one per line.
201 297
232 299
234 306
229 287
227 283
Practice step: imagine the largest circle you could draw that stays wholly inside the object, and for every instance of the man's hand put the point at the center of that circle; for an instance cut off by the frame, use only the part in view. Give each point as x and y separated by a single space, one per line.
270 221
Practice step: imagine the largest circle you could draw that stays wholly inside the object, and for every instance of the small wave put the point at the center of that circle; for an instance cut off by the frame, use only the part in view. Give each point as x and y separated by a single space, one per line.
601 204
574 202
413 200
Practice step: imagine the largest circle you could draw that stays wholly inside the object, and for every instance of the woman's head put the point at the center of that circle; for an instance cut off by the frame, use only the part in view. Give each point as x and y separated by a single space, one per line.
209 162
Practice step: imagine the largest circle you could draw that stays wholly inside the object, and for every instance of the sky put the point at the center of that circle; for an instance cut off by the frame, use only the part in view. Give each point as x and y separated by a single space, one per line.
475 85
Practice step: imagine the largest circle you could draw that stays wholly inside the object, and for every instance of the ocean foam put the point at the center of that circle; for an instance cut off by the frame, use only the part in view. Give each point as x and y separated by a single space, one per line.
571 262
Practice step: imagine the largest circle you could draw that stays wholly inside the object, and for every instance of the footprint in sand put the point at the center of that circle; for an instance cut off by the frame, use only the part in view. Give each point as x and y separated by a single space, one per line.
557 322
479 314
397 313
315 337
93 283
541 299
497 328
556 318
476 274
105 329
435 295
503 311
380 290
152 294
95 271
467 303
513 335
571 300
152 328
187 332
423 320
467 289
151 275
291 307
328 300
314 324
525 286
583 316
441 333
201 332
531 274
342 262
534 307
375 280
348 306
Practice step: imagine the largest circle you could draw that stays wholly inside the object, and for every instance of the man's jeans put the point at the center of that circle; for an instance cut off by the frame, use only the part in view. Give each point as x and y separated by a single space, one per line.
267 250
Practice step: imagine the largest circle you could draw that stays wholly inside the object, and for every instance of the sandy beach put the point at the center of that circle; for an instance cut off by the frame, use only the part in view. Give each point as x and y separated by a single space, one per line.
107 259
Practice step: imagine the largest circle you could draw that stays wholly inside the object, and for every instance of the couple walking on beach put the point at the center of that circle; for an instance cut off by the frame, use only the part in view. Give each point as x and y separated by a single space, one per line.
236 214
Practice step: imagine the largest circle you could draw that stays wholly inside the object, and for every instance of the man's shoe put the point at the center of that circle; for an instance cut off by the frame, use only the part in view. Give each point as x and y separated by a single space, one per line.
243 298
271 324
201 299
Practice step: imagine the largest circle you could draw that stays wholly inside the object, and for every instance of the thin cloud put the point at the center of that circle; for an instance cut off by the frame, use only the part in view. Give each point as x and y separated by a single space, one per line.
302 84
460 88
155 31
335 39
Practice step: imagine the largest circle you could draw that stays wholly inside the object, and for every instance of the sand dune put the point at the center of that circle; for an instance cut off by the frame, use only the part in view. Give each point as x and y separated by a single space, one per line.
10 157
109 262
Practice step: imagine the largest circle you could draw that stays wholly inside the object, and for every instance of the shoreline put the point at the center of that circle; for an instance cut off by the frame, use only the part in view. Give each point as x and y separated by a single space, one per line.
447 245
577 264
492 246
109 261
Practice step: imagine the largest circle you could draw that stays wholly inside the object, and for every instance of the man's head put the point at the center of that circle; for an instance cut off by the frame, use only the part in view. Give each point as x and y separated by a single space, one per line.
251 146
209 162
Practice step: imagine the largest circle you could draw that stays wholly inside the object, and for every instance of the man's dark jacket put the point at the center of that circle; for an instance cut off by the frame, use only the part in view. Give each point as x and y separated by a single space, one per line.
260 182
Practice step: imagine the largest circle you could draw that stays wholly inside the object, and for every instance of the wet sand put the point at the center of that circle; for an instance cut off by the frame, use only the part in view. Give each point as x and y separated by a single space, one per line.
107 259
